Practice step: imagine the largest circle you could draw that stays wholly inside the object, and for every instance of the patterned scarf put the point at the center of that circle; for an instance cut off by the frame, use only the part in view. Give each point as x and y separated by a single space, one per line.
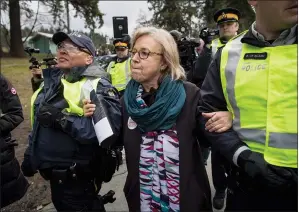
159 168
162 114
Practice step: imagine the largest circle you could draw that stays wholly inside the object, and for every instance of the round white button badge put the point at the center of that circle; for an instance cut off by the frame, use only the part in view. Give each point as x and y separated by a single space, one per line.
131 124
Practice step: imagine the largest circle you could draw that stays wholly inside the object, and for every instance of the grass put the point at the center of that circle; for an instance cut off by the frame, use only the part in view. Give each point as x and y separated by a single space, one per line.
8 60
18 73
16 70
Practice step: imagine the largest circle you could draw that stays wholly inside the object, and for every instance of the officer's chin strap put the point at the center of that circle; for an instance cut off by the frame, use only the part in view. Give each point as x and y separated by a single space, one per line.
120 60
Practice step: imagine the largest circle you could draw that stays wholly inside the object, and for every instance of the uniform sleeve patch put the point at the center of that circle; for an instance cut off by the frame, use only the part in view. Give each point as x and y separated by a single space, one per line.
111 92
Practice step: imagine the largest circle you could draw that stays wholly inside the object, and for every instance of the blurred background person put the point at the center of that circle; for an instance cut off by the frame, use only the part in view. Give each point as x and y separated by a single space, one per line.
227 23
119 67
37 78
13 183
254 76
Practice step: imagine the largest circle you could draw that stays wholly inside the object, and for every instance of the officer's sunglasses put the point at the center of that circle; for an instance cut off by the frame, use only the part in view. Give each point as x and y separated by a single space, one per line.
71 48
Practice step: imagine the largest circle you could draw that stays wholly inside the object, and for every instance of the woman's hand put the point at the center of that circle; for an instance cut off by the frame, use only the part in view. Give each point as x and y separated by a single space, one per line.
218 121
88 108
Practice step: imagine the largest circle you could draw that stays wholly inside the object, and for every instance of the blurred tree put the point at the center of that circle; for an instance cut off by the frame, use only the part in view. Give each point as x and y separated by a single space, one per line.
87 9
175 15
97 38
50 30
14 10
143 20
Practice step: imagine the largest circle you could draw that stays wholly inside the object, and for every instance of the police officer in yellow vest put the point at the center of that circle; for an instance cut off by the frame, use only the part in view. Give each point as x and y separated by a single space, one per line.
227 21
255 77
63 143
228 25
119 68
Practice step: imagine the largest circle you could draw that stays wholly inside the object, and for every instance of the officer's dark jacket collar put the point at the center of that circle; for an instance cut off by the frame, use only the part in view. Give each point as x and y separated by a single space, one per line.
93 70
287 37
223 41
53 75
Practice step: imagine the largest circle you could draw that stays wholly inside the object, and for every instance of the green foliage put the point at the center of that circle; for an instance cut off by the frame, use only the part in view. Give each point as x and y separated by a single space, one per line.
26 10
50 30
97 38
143 20
87 9
178 15
4 5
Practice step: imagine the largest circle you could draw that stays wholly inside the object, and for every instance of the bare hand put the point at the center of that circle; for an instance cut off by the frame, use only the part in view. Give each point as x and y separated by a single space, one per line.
88 108
218 121
36 72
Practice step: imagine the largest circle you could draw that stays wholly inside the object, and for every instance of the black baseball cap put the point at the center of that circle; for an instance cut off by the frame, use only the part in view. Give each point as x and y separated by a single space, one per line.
79 39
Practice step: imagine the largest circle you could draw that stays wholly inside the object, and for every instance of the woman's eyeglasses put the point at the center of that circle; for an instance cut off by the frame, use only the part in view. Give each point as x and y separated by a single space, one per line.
143 53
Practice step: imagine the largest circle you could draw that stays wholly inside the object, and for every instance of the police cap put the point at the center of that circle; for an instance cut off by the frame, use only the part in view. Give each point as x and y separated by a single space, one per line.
124 42
226 15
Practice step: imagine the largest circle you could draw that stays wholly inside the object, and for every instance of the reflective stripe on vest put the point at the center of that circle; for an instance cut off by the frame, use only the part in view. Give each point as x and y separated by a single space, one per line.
72 93
33 98
120 74
262 95
216 44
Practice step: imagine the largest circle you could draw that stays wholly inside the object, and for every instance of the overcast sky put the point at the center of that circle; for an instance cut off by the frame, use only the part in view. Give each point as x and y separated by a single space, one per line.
131 9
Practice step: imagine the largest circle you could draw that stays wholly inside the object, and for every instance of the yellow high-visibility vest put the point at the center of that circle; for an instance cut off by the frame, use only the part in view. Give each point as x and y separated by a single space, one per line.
260 88
72 93
216 44
120 73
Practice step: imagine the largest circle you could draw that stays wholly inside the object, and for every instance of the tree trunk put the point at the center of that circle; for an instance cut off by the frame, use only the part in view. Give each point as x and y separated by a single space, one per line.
1 51
68 16
16 44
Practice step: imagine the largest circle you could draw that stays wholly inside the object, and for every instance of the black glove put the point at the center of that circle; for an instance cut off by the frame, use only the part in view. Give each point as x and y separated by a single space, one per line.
50 116
253 164
265 175
27 167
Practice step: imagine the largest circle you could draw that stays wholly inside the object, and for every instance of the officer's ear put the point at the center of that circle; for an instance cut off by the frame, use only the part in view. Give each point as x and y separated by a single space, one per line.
89 60
237 25
253 3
